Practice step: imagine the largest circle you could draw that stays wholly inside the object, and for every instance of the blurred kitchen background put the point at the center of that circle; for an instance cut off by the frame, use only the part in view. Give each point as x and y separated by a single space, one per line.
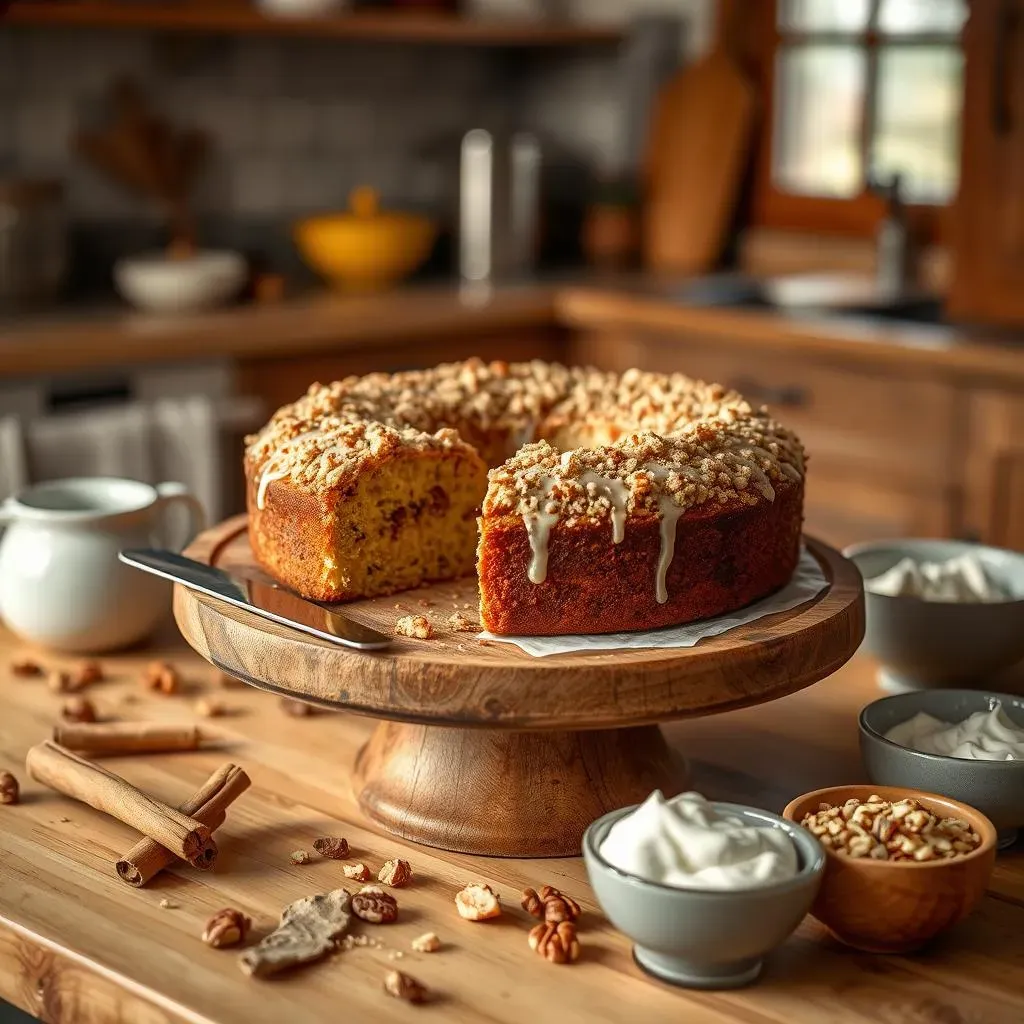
206 206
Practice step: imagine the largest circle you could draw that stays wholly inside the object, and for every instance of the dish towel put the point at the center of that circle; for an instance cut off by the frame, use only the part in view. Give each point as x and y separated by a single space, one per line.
171 439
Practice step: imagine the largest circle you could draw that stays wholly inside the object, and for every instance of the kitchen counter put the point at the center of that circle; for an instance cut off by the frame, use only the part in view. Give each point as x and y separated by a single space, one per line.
325 323
76 944
317 323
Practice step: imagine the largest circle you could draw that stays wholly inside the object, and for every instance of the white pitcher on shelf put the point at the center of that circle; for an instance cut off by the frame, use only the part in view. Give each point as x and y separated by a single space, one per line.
61 584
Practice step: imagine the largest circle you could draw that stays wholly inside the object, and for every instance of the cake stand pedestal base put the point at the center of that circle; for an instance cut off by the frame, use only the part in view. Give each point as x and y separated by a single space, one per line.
505 793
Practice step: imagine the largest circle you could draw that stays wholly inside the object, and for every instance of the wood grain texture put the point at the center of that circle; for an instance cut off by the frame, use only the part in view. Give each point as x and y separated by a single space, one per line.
507 794
454 679
473 703
701 125
77 945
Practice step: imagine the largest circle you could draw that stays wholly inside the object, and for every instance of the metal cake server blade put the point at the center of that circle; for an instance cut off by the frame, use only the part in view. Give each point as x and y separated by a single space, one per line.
264 599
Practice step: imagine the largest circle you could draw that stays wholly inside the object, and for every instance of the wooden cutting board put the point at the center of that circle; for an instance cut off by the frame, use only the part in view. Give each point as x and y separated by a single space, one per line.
701 127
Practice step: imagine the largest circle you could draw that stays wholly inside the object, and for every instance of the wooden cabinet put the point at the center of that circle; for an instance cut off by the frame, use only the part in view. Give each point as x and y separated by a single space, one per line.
995 468
988 218
883 445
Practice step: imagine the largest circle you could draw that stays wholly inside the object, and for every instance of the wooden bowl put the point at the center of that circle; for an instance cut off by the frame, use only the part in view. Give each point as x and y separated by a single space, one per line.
896 906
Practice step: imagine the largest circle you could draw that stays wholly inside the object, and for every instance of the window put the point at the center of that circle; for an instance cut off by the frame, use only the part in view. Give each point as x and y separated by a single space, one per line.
861 91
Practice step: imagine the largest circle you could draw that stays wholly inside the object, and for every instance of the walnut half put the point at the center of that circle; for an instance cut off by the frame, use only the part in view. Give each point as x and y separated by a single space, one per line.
9 792
375 905
550 905
395 873
78 709
402 986
331 847
557 943
477 902
228 927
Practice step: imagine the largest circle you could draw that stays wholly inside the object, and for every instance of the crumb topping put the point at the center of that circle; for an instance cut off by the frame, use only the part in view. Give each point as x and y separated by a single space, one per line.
670 439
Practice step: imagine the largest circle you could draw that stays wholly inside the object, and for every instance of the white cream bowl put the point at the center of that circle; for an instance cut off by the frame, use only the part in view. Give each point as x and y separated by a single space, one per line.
159 284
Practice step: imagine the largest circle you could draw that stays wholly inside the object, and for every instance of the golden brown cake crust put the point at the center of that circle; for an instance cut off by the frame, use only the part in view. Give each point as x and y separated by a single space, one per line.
671 491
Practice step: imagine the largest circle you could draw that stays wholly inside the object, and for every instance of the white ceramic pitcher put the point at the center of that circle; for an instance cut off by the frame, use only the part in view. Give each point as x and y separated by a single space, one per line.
61 584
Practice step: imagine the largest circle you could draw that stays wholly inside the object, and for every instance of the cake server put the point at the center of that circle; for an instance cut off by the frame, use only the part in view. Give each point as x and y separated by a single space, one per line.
267 600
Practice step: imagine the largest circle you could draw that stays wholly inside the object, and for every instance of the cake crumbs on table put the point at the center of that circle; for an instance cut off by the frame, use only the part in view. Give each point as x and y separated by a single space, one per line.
166 904
415 626
460 624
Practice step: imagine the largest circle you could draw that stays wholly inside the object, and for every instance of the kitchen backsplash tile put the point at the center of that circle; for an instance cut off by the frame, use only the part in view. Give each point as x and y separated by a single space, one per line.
296 123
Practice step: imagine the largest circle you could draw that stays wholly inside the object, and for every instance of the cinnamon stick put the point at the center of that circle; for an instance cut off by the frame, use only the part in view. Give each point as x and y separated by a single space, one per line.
83 780
126 737
208 805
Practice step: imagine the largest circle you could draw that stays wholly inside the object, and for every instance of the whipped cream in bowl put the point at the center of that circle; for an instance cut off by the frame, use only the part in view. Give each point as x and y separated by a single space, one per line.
706 890
983 736
964 744
690 843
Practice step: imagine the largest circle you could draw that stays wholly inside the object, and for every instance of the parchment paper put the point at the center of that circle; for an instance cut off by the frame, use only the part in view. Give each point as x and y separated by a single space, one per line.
808 581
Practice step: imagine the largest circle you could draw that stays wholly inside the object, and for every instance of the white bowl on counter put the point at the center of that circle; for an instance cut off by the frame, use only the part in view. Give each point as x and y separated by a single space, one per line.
302 8
159 284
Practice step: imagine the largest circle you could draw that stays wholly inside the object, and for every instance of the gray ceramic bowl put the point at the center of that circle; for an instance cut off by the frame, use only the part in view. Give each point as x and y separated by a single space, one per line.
705 938
996 788
930 643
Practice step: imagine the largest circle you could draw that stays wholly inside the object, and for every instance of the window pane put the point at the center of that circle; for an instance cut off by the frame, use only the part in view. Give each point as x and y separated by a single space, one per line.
900 17
823 15
917 120
819 99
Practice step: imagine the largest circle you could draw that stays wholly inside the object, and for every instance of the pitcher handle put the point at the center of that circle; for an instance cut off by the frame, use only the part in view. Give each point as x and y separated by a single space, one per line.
174 493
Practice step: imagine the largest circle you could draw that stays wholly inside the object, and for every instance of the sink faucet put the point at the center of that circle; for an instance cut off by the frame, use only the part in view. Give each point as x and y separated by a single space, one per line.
893 255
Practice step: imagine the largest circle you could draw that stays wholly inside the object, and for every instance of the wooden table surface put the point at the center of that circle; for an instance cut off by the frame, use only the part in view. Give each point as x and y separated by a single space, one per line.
77 944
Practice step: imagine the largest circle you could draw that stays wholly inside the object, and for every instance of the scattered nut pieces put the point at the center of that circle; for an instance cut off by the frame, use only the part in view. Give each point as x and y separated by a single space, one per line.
299 857
166 904
557 943
162 678
331 847
59 681
550 905
207 707
460 624
882 830
26 668
429 942
417 626
228 927
402 986
395 873
296 708
9 790
78 709
359 872
477 902
85 674
375 905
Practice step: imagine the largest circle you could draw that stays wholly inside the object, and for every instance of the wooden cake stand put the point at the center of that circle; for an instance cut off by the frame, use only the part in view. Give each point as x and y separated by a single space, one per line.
485 749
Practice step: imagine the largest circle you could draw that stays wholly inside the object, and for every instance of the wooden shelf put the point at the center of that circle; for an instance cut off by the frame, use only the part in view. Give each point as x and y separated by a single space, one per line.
398 26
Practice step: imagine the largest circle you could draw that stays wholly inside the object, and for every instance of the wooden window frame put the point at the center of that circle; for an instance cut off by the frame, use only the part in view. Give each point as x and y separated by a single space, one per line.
755 40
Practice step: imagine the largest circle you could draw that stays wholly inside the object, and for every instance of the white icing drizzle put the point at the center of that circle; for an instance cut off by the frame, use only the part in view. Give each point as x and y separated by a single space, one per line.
271 472
538 529
670 513
617 494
